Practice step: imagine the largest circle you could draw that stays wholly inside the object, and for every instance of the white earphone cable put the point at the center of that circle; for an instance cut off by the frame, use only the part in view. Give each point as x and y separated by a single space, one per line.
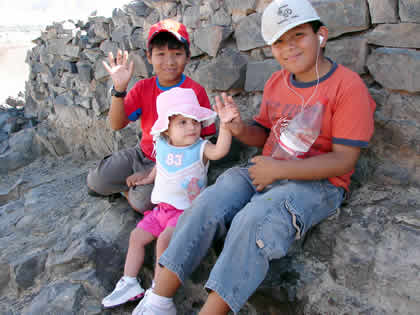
297 94
317 82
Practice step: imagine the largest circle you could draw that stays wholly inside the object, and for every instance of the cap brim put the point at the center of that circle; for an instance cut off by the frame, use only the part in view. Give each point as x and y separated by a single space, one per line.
177 36
288 28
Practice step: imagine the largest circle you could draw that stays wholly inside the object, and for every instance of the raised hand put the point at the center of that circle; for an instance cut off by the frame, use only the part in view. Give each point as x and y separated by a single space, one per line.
119 69
228 113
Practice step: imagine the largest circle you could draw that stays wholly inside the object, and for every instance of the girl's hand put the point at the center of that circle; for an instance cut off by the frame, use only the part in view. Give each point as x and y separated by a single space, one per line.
229 113
140 179
263 171
119 69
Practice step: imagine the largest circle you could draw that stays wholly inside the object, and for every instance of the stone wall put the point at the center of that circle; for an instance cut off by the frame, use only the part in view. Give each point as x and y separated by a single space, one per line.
379 39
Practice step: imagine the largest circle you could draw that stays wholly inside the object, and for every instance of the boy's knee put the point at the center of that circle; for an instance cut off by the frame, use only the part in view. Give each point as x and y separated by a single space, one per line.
91 187
139 198
246 220
96 185
231 176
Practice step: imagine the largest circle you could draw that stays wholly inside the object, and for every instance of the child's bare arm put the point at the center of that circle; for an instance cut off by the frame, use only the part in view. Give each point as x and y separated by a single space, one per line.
141 178
222 146
340 161
120 71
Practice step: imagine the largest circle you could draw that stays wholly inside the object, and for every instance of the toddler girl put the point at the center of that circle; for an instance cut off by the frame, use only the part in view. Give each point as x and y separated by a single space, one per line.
180 175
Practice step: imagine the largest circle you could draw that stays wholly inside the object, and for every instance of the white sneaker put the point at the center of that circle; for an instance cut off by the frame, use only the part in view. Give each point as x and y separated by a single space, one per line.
124 291
145 307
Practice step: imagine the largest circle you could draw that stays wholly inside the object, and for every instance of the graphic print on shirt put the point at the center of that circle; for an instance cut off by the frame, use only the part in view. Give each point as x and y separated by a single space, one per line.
280 116
193 186
174 159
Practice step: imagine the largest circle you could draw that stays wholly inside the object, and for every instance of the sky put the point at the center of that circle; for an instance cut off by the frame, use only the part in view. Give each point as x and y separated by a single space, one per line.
14 44
44 12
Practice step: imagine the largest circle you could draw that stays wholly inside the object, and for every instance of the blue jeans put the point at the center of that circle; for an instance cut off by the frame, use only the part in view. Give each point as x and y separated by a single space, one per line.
263 225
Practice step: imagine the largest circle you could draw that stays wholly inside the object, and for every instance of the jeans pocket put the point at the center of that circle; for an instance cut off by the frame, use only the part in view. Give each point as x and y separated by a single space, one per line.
297 220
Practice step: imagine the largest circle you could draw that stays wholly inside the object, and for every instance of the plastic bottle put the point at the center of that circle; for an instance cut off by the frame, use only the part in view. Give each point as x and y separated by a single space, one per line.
301 133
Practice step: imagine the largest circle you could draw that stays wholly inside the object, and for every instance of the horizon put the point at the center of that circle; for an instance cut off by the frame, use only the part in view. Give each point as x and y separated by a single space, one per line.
18 16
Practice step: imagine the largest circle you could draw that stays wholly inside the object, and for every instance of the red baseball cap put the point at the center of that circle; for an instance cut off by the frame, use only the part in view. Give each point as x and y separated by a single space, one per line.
171 26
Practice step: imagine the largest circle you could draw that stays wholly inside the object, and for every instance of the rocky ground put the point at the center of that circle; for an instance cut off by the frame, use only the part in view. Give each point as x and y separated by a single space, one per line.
62 250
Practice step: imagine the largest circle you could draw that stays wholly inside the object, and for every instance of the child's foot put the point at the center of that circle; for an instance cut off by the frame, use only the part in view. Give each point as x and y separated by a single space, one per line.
125 290
153 304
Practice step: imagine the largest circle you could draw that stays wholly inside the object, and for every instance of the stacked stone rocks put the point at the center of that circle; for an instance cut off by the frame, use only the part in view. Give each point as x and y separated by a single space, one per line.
378 39
63 252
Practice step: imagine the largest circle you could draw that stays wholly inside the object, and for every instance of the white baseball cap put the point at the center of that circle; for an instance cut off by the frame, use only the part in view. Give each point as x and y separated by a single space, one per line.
283 15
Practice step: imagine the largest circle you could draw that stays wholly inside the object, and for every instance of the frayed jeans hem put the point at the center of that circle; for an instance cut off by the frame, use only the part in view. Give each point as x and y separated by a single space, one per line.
172 267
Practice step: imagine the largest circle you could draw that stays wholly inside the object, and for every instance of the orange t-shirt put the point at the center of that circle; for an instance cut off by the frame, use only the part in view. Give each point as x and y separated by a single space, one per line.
347 116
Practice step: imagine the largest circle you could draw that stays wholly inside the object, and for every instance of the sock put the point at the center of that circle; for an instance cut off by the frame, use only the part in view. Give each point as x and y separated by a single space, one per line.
158 300
130 279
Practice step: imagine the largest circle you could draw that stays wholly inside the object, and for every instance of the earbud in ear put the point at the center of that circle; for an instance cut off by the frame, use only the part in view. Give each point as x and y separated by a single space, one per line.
321 39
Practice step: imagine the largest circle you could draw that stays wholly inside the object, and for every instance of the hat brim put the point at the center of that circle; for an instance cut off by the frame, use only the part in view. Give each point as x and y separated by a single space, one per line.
289 27
178 36
201 114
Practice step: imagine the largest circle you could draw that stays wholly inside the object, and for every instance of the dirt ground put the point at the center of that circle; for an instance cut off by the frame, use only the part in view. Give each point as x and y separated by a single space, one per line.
13 69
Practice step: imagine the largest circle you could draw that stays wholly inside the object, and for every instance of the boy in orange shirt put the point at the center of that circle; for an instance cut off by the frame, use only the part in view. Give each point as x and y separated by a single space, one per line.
263 208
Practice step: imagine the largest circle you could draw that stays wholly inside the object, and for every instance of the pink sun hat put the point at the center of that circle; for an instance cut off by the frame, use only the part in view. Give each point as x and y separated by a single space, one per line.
179 101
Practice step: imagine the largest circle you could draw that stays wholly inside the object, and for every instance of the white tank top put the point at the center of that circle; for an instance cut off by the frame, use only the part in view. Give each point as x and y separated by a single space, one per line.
180 173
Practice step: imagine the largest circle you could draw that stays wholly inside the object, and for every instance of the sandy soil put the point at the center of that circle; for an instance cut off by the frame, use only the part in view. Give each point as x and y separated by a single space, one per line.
13 69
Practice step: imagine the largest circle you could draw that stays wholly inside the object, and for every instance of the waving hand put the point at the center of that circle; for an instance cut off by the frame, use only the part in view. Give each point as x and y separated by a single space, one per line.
119 69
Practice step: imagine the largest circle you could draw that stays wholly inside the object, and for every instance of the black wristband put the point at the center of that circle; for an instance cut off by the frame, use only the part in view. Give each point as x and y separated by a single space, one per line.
115 93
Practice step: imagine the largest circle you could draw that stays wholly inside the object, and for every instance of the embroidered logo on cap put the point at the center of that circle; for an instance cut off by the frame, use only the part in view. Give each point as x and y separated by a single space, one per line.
171 25
285 12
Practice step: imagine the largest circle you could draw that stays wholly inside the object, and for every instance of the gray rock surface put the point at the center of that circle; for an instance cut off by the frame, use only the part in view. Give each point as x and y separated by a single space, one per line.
396 68
350 52
248 33
409 11
343 16
209 38
231 63
65 250
383 11
21 149
257 74
404 35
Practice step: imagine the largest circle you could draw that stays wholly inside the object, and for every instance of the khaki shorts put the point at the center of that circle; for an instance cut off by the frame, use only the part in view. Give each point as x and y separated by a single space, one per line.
110 176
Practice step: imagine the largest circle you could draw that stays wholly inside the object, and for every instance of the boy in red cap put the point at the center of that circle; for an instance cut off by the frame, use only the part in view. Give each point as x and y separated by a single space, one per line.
123 171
